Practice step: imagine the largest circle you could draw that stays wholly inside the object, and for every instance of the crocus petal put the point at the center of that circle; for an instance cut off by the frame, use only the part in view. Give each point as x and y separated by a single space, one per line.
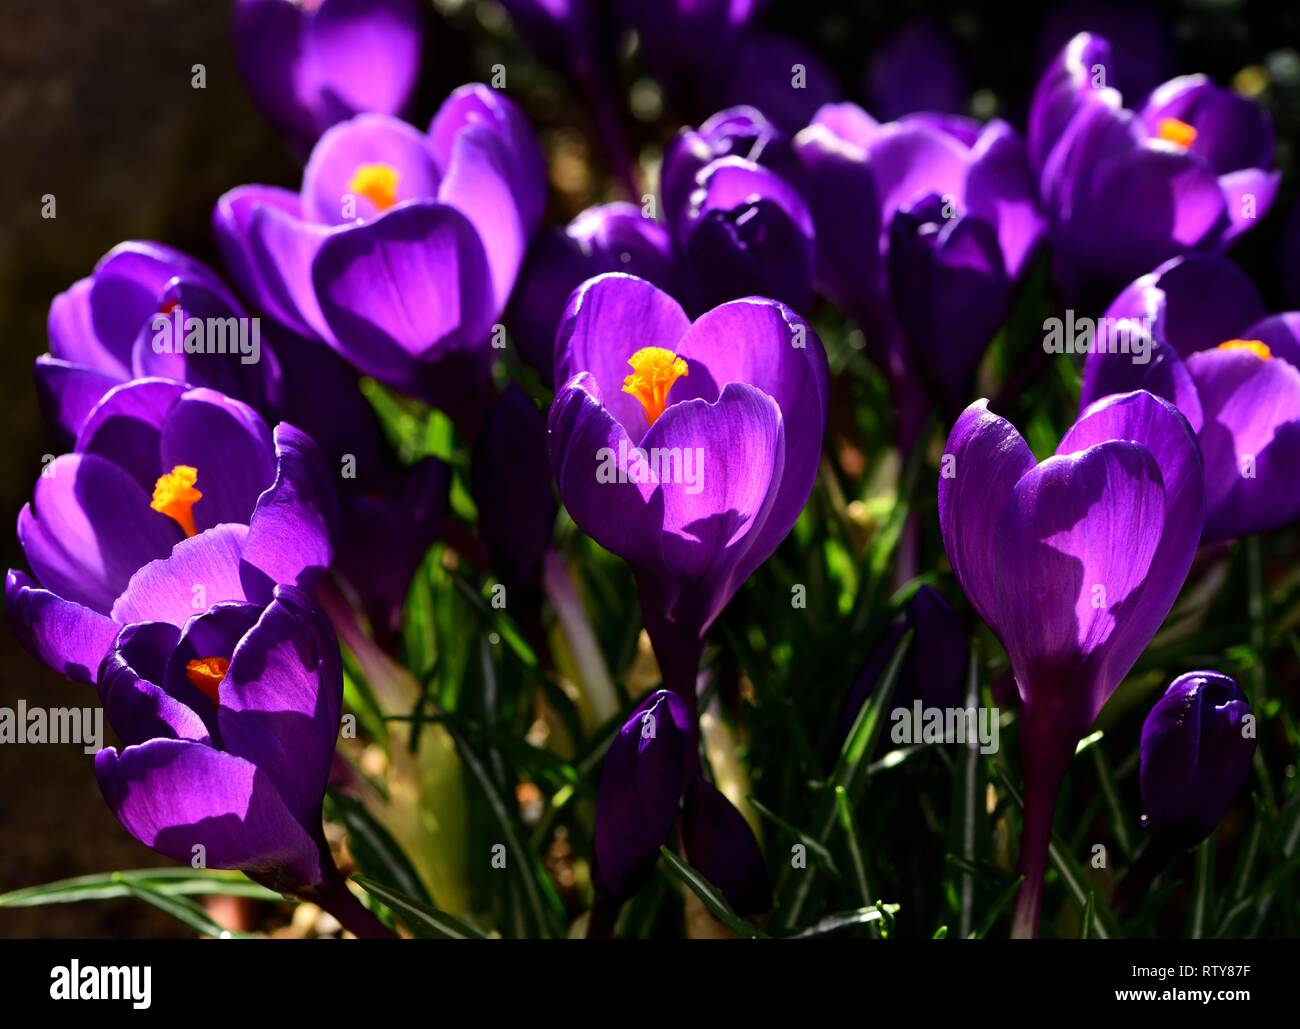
88 528
136 705
281 698
1248 195
1000 190
268 248
229 444
368 139
410 286
917 67
1250 439
70 638
1159 427
68 392
215 632
1280 333
293 524
201 571
362 55
1076 543
719 843
174 795
712 527
1232 131
71 330
609 318
125 427
1163 374
988 457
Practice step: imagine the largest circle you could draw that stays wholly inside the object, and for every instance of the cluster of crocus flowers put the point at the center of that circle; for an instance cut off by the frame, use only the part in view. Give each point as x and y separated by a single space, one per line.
171 495
922 227
401 249
1074 563
1230 367
1125 189
688 449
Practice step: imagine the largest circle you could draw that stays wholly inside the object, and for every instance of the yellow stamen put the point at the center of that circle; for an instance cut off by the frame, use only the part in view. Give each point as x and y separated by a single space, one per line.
1254 346
1172 130
175 496
207 673
654 370
377 183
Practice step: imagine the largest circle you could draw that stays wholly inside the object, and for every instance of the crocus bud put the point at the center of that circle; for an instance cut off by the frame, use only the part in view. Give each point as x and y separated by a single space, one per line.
1197 746
641 784
746 232
720 845
511 479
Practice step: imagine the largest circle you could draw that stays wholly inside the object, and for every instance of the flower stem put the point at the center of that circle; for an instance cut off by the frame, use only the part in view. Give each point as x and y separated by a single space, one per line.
338 900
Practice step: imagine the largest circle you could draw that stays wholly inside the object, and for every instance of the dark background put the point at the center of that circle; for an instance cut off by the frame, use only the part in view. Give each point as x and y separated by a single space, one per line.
97 108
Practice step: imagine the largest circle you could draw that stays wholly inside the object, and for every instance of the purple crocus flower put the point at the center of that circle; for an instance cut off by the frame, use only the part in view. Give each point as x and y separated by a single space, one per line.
227 720
615 237
1126 190
933 670
650 764
128 319
312 63
687 449
402 247
1074 563
1230 367
163 481
922 227
917 67
1197 749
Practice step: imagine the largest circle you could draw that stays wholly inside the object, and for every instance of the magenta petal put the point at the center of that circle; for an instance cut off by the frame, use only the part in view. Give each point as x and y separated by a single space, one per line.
68 392
367 139
136 703
291 531
173 795
281 698
609 318
1167 436
983 460
410 286
362 55
88 528
1250 439
68 637
201 571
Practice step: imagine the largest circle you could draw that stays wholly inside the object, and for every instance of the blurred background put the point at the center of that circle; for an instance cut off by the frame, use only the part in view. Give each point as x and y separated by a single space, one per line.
97 108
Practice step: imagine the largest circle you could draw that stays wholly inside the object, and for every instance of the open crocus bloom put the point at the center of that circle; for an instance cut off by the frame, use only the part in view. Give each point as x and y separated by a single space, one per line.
402 247
687 449
173 498
227 720
1126 190
312 63
1074 563
121 322
1231 368
923 225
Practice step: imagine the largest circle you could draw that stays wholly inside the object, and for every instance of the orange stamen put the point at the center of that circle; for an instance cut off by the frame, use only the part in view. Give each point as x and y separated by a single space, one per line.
377 183
207 673
175 496
654 370
1252 346
1172 130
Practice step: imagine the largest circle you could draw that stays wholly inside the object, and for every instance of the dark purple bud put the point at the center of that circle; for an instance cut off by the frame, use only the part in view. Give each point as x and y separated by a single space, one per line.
916 68
720 845
747 232
950 290
1197 746
640 786
511 478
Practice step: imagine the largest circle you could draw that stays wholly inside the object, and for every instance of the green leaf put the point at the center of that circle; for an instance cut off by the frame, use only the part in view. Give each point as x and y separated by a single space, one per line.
711 896
170 882
1089 913
424 920
1198 913
995 912
845 920
374 848
184 910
